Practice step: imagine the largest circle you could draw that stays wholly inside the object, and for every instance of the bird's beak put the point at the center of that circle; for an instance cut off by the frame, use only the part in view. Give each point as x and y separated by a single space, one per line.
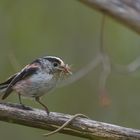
65 68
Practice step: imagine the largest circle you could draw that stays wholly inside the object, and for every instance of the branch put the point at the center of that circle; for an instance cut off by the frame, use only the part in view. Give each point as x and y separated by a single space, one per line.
81 127
83 71
124 11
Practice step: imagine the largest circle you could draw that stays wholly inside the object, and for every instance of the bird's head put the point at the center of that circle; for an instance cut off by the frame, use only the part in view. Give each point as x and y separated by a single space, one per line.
55 65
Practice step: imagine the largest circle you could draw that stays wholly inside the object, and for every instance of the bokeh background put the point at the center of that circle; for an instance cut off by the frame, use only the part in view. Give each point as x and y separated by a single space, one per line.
70 30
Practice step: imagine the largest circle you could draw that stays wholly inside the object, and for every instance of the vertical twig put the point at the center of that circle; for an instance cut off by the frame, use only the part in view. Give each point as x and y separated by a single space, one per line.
106 67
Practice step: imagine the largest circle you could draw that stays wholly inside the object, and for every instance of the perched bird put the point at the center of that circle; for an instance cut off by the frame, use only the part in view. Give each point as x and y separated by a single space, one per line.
36 79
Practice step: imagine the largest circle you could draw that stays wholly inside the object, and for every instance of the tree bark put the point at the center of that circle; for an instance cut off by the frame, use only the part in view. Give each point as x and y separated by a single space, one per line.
81 127
124 11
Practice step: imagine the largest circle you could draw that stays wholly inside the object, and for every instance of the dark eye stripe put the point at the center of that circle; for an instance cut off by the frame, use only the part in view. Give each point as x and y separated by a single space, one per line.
36 61
51 59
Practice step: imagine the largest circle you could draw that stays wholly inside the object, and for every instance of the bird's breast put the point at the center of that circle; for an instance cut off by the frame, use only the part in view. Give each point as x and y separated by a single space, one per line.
36 85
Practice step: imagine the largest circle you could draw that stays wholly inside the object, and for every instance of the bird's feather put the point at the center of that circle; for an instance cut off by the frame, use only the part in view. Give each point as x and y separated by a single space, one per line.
7 81
27 71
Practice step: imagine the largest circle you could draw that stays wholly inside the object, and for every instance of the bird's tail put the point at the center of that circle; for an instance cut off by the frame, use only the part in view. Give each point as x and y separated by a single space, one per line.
3 89
4 85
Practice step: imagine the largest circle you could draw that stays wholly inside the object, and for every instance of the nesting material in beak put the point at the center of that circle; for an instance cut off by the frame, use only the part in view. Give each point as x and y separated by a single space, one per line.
66 69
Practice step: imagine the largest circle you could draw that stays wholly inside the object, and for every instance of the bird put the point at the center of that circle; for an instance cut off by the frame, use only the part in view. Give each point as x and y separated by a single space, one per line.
36 79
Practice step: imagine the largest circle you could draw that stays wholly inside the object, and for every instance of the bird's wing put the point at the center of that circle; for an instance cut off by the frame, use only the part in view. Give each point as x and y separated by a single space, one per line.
27 71
7 82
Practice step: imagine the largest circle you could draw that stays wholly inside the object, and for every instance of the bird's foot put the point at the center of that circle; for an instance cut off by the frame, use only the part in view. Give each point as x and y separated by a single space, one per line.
22 106
47 111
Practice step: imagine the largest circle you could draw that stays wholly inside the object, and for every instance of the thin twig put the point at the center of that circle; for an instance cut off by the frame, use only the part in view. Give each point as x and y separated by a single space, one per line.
65 124
106 67
81 127
82 72
101 46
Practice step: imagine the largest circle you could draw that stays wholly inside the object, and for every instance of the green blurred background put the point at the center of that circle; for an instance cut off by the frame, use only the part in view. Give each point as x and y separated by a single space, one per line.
67 28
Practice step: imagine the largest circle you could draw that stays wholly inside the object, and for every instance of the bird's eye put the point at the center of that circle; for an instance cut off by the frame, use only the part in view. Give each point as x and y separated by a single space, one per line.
55 64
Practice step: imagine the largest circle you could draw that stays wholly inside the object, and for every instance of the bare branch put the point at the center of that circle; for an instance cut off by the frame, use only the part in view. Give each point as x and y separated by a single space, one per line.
83 71
81 127
128 69
65 124
124 11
